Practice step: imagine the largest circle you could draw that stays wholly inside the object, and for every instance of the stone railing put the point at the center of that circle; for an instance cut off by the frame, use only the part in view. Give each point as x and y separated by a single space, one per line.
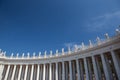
81 47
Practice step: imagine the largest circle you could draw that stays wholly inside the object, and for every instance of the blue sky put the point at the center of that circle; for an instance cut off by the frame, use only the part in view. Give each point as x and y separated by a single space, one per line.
39 25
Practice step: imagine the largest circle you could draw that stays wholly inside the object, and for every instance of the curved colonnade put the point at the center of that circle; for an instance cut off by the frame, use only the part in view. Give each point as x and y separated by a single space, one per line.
94 62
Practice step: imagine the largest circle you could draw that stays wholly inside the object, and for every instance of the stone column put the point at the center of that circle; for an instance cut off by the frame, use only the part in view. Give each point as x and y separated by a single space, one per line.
98 67
13 74
50 72
56 71
46 75
19 72
86 69
6 76
44 72
89 69
106 68
59 72
53 72
116 63
38 70
1 70
70 70
81 70
32 69
95 69
26 70
40 75
66 70
73 70
78 69
67 67
63 71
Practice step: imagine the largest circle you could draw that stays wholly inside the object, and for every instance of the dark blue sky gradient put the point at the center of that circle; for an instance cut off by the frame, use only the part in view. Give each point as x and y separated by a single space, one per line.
39 25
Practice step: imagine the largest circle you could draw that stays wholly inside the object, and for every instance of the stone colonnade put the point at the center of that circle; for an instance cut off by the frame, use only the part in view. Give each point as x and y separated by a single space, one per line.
104 66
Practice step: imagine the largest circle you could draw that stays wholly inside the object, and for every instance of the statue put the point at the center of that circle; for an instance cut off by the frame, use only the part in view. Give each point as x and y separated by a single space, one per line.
51 53
106 35
57 52
76 48
98 40
63 50
23 55
90 43
39 54
117 31
69 51
17 54
83 46
34 54
12 55
0 50
45 53
28 54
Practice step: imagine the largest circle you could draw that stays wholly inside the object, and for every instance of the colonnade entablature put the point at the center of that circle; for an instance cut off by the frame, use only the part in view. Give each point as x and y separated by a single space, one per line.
96 61
91 48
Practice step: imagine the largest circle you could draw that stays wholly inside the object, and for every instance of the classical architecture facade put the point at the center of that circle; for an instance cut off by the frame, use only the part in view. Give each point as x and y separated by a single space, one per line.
99 61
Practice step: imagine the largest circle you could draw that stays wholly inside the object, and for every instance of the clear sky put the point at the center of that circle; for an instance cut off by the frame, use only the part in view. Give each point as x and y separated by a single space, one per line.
39 25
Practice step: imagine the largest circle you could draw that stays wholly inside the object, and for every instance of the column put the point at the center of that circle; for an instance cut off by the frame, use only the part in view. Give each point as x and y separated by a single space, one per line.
67 67
38 70
40 75
53 72
1 70
105 68
26 70
60 69
43 71
73 70
86 69
116 63
81 70
70 70
6 76
63 71
47 72
78 69
29 72
66 71
31 76
56 71
50 72
19 72
97 59
13 74
95 69
89 69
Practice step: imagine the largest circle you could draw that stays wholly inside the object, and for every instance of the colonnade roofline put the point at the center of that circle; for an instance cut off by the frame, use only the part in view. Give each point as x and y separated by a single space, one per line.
91 46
